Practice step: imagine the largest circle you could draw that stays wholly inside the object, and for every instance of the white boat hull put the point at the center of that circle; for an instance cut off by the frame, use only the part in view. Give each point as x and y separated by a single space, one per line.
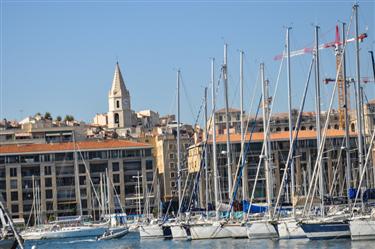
179 232
66 232
362 229
151 231
237 231
262 230
212 231
289 229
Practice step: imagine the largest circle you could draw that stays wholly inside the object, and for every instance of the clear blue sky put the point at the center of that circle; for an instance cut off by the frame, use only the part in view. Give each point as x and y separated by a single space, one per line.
59 56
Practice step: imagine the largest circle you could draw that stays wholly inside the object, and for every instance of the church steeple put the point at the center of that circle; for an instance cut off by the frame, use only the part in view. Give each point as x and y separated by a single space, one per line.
118 84
120 114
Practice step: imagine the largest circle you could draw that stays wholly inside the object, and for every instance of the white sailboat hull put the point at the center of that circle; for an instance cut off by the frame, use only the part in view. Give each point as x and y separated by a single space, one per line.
362 229
262 230
237 230
151 231
212 231
289 229
179 232
66 232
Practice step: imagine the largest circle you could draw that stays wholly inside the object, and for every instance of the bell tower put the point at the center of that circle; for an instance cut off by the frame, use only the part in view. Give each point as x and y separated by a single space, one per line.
119 112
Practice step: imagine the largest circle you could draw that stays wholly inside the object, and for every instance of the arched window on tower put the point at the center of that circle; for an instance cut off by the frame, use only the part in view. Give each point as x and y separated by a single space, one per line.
117 118
117 103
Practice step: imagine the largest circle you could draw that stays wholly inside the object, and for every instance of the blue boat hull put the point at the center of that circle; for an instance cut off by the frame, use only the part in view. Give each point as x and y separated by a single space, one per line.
326 230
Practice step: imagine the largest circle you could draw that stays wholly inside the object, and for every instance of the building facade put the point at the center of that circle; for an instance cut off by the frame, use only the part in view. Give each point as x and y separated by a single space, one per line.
63 187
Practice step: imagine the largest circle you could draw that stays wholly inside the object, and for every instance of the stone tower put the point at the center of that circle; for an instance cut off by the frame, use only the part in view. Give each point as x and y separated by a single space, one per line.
119 112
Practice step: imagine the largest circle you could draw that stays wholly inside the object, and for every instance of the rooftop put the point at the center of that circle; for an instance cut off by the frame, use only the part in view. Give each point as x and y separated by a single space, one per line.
81 145
280 136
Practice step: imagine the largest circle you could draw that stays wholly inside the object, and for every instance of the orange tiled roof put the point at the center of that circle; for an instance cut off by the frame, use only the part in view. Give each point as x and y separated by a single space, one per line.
82 145
277 136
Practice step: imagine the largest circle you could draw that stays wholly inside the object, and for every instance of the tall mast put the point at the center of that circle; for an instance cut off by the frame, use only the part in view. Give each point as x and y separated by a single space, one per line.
206 147
76 177
358 90
266 139
225 75
346 103
244 175
290 114
317 105
178 139
214 166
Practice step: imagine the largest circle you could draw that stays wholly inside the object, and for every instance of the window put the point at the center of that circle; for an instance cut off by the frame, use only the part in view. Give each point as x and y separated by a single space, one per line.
13 184
48 182
117 190
149 164
116 178
13 172
172 175
49 194
47 170
171 156
118 104
82 169
115 166
171 165
173 184
148 152
14 208
14 196
82 180
116 118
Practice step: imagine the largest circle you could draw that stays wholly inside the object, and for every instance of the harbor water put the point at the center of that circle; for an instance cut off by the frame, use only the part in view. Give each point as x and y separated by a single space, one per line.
135 242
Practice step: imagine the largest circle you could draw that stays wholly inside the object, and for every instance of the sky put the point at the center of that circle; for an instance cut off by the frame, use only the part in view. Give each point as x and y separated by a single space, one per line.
60 56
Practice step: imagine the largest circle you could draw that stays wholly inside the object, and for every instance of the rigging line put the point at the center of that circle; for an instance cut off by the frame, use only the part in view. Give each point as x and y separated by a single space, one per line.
267 128
294 138
237 86
239 171
89 175
318 164
336 169
247 126
199 113
192 110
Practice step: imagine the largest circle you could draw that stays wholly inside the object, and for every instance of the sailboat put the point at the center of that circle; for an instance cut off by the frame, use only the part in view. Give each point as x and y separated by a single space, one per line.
66 227
335 226
265 228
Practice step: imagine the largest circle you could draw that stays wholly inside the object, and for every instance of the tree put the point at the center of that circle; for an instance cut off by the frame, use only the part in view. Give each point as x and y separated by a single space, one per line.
48 115
58 118
68 118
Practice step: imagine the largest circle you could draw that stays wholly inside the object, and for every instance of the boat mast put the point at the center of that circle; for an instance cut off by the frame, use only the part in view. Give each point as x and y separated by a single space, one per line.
178 141
266 156
225 75
206 148
76 175
290 115
318 125
214 166
358 90
244 175
346 102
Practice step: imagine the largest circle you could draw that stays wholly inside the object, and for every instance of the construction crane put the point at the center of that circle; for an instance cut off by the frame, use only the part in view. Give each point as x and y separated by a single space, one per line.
337 45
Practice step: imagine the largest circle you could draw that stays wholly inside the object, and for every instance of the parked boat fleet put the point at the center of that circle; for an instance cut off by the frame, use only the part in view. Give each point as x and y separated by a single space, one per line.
313 218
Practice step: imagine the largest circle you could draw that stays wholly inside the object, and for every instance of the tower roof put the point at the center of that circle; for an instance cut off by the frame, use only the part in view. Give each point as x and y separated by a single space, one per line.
118 84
